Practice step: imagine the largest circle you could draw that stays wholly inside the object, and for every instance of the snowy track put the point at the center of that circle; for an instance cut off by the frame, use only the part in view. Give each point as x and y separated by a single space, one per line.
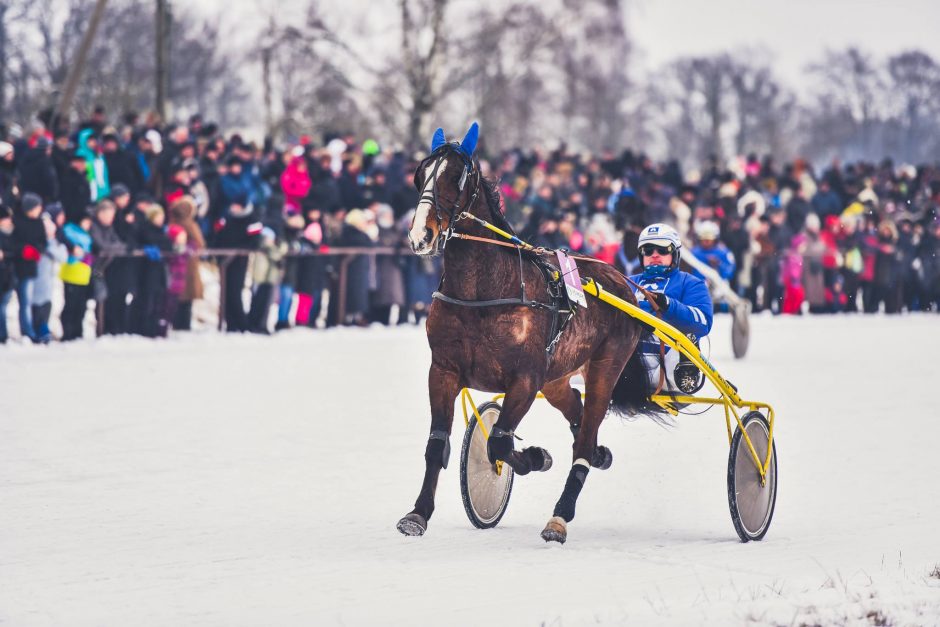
220 480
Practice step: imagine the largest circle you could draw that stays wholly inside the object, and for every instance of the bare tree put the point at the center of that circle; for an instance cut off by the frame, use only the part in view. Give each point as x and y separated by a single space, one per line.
915 86
423 47
850 94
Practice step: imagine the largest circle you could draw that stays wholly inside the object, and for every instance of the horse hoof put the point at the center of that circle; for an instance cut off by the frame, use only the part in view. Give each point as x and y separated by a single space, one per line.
602 458
413 525
556 530
538 458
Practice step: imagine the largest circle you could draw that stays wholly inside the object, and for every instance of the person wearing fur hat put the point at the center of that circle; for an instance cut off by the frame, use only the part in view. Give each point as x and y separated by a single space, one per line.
29 240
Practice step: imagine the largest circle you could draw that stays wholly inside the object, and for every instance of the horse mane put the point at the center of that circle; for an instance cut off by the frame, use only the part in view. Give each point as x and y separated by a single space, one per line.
494 203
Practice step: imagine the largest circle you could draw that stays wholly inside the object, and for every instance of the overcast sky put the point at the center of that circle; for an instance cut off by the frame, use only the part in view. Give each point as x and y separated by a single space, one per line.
794 32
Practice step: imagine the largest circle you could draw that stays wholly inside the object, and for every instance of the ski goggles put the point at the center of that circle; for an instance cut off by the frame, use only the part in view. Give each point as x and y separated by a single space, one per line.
647 250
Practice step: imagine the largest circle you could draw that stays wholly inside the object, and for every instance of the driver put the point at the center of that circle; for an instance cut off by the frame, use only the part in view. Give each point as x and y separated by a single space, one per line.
683 301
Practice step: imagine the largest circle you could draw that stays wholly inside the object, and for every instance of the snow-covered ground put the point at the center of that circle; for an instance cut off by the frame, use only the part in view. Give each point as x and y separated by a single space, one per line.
218 480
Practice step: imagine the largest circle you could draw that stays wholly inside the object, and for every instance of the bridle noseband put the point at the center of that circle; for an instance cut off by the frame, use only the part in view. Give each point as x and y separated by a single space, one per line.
454 211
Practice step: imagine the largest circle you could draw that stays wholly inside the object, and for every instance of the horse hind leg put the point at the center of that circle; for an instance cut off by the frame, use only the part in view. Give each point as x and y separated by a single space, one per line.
602 376
500 446
443 387
567 399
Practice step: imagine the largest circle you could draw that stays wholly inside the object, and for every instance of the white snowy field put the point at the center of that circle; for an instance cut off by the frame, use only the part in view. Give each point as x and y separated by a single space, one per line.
219 480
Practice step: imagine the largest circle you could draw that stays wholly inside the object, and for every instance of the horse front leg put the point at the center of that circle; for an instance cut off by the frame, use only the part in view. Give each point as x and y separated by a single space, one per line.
500 446
443 387
603 374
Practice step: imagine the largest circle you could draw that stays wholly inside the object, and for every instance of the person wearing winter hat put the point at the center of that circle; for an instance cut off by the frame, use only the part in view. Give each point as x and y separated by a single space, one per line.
677 297
712 250
29 240
76 277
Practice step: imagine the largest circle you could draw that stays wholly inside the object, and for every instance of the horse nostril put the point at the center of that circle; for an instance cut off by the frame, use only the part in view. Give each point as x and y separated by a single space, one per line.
428 234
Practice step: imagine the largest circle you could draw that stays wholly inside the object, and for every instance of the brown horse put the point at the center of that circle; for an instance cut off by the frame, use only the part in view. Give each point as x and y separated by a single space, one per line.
502 346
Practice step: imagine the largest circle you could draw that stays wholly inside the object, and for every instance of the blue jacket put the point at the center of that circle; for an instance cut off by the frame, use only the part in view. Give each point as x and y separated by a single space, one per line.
725 265
690 304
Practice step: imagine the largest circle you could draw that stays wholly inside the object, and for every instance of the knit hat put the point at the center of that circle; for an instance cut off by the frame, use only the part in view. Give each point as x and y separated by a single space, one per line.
119 189
5 149
30 201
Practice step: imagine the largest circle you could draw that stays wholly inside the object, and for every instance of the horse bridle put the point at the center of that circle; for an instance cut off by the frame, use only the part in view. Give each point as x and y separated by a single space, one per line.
454 211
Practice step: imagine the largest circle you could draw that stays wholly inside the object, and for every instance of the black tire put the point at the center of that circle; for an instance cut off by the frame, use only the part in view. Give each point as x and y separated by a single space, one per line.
752 505
740 331
485 494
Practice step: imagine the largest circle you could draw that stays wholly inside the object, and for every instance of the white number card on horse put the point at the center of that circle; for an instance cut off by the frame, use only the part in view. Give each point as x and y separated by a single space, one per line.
569 271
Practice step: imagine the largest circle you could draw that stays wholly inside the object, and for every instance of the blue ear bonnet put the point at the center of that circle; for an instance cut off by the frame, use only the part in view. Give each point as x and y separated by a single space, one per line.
438 140
468 146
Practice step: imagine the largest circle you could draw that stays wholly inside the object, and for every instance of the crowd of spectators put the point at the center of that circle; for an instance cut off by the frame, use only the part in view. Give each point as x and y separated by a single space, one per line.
120 214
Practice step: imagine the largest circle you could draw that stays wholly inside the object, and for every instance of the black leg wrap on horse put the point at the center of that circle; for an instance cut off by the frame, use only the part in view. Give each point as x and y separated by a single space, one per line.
569 496
438 448
499 445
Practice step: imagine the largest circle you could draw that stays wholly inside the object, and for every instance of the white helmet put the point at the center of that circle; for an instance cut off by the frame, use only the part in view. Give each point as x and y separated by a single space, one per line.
661 235
707 230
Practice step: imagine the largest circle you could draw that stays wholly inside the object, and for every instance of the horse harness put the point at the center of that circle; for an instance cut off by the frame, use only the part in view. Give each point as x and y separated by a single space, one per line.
559 305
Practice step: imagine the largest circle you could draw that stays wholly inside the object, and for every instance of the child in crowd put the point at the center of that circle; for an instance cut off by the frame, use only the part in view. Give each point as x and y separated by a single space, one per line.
153 275
267 270
177 265
76 277
55 253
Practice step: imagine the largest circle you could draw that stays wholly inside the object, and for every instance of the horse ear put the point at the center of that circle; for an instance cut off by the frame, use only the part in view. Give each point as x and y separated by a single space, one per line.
469 143
438 140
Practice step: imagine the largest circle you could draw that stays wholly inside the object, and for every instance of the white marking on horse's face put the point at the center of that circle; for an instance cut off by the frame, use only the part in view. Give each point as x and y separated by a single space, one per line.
422 242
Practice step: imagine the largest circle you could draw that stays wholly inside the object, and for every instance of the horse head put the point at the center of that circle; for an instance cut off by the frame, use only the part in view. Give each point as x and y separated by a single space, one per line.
448 181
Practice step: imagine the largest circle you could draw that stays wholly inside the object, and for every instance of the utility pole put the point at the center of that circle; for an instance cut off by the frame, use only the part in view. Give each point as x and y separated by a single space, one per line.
78 65
163 56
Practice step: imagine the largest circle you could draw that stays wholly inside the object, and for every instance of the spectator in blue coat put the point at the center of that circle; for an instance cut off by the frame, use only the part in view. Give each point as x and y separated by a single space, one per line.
713 251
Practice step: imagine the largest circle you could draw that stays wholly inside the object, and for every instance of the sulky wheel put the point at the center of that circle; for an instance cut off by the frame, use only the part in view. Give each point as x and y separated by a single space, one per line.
485 493
752 504
740 329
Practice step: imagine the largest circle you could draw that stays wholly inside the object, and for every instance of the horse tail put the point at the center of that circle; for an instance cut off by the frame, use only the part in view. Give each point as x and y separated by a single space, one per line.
631 396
